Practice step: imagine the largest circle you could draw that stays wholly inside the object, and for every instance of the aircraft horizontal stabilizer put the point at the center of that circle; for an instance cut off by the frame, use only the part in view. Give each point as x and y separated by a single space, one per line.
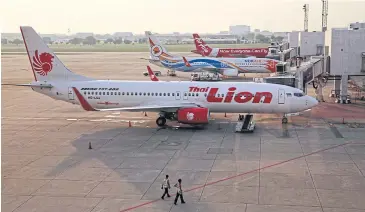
32 85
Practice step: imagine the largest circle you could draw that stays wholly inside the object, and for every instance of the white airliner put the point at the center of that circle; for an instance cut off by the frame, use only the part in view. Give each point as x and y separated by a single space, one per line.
227 66
185 101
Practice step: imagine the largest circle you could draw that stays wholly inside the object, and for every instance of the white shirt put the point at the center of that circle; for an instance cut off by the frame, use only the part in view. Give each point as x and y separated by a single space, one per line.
165 183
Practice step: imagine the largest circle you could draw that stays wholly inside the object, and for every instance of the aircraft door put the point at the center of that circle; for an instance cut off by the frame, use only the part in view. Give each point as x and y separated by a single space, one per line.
177 95
71 95
281 96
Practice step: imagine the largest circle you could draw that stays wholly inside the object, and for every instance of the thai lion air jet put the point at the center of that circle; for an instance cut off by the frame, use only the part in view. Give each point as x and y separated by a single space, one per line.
223 65
185 101
203 49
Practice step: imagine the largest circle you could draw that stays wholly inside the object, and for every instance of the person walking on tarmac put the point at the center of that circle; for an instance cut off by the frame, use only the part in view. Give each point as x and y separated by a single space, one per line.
166 187
179 193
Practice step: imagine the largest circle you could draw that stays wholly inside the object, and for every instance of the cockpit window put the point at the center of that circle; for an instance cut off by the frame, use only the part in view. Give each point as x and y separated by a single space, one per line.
298 94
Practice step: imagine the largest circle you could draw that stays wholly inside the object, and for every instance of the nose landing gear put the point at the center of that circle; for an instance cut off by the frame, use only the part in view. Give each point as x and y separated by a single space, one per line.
284 120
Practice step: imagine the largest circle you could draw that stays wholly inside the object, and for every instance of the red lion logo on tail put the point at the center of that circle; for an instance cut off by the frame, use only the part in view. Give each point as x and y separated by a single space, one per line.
42 63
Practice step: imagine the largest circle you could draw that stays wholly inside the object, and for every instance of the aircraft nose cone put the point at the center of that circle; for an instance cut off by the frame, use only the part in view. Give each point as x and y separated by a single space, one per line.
312 102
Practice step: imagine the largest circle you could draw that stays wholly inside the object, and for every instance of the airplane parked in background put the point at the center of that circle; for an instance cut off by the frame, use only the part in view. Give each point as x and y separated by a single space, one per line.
203 49
224 66
184 101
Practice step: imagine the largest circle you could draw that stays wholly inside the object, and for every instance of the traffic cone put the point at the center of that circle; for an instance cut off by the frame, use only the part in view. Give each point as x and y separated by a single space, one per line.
90 145
145 114
130 124
225 114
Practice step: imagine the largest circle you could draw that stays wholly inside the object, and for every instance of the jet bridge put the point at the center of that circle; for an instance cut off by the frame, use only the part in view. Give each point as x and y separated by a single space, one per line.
314 71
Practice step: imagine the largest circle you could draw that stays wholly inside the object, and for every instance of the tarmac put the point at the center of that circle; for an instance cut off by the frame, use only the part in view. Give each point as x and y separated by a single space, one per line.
316 163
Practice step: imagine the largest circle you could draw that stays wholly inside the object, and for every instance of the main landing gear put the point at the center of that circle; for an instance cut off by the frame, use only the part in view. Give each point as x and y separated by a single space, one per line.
161 121
163 116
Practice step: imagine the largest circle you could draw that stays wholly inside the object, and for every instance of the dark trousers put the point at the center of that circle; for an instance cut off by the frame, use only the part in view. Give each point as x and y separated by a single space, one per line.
181 198
166 192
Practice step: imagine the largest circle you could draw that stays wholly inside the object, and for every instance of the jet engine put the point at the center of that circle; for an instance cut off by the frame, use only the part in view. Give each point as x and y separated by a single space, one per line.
195 115
230 72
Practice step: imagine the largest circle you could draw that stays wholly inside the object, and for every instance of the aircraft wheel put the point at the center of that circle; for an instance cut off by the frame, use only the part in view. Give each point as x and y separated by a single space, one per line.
284 120
161 121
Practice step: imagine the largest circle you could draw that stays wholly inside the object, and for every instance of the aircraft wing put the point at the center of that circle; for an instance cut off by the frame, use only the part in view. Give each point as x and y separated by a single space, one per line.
154 106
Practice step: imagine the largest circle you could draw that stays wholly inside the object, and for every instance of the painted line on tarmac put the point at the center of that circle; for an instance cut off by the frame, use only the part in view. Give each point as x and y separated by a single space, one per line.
245 173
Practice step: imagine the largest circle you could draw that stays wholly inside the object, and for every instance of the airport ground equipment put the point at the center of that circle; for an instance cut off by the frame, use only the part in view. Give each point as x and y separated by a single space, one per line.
157 73
171 73
245 123
205 76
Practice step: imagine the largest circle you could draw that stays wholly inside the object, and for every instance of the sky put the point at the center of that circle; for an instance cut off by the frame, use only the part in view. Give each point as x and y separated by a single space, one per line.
165 16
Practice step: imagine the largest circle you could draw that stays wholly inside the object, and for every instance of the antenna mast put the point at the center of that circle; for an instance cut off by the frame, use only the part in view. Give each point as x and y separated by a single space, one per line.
306 10
324 15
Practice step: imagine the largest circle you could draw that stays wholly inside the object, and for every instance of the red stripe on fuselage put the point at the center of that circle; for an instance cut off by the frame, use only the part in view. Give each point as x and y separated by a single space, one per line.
84 104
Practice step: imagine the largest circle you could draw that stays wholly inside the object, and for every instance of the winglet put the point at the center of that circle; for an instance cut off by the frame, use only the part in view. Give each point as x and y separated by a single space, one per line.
151 74
187 64
84 104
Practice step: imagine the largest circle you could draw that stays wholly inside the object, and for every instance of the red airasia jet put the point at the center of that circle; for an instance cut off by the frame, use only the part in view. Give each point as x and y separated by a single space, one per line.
203 49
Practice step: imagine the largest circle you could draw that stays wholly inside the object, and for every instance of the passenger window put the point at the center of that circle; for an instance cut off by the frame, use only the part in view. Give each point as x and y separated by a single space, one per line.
123 93
197 94
88 93
104 93
222 95
140 94
156 94
185 94
173 94
84 93
178 94
288 94
119 93
144 94
92 93
152 94
205 94
189 94
148 94
168 94
218 95
160 94
115 93
136 93
127 93
131 93
111 93
107 93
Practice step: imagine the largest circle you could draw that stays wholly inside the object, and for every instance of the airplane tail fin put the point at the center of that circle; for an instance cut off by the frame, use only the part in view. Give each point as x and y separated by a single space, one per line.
157 50
201 46
45 64
187 64
151 74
